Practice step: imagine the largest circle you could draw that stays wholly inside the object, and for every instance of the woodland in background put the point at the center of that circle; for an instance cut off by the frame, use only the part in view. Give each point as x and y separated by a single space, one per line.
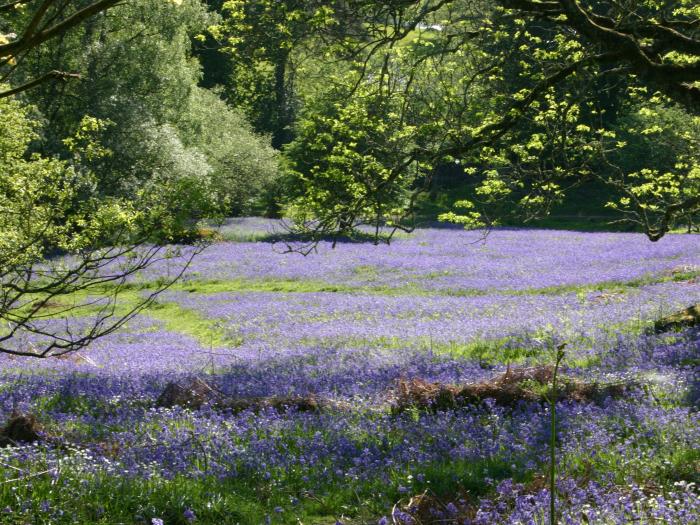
368 100
127 124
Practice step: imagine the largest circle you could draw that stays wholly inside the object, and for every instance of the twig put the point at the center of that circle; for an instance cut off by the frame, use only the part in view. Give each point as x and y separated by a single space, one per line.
29 476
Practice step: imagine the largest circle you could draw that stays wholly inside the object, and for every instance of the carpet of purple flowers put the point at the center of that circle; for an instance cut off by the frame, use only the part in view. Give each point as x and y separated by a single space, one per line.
346 324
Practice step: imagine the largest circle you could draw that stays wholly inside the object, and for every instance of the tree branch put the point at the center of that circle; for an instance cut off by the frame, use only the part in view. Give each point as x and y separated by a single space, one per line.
496 130
674 80
30 41
51 75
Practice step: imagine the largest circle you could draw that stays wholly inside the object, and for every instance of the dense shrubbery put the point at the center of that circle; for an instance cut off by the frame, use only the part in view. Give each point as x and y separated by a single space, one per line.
46 203
165 134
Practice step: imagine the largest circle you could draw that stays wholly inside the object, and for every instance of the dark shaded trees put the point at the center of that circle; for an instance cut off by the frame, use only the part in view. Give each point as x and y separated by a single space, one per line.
261 37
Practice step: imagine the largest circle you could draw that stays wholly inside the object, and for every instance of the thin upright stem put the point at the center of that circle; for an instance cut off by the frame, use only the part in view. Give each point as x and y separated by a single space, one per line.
553 438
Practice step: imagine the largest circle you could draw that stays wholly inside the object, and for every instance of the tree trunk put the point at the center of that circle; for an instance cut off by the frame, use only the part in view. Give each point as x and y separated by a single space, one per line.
281 134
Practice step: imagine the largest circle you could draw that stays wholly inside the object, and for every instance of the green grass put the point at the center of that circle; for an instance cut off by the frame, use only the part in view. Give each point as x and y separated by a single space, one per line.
674 459
213 333
487 352
130 294
102 499
240 235
313 286
261 285
209 332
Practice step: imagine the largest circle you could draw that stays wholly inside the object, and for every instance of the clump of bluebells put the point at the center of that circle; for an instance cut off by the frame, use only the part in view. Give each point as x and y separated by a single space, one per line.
578 503
452 259
110 455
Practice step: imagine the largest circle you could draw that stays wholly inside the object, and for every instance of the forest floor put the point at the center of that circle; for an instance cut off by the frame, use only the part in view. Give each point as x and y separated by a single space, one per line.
352 386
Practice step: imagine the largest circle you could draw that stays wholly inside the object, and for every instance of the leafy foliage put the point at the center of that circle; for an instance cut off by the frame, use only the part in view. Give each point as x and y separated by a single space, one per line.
353 158
369 99
261 37
168 137
48 210
531 98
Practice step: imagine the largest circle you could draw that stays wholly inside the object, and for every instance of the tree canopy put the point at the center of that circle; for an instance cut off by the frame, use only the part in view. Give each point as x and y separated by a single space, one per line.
131 125
532 97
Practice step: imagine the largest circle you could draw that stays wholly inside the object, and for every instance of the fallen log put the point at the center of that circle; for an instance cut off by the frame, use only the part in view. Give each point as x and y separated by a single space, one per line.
192 393
195 393
20 428
684 319
525 384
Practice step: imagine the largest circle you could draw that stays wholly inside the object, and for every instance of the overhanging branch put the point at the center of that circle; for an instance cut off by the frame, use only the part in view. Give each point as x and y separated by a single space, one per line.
51 75
32 39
